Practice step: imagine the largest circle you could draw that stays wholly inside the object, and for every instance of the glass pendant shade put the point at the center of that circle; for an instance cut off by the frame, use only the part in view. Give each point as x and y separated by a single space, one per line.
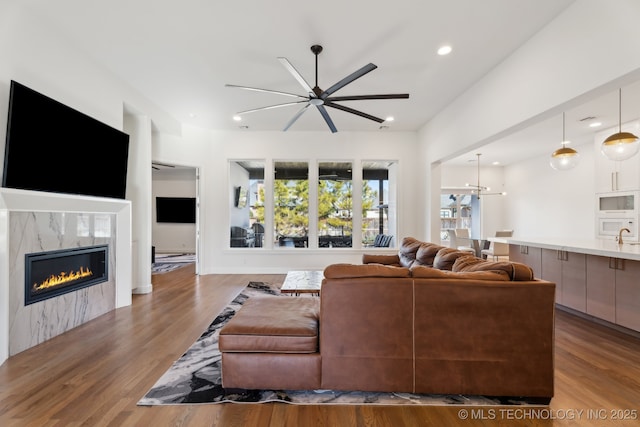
621 145
564 159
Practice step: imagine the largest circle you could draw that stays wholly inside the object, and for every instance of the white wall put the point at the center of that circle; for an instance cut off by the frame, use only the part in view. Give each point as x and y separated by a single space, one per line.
582 53
543 202
211 151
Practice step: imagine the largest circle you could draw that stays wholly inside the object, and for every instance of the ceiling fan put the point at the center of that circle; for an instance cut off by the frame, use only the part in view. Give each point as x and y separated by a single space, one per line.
322 98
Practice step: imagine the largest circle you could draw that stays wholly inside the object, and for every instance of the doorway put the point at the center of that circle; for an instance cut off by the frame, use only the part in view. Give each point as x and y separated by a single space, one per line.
175 231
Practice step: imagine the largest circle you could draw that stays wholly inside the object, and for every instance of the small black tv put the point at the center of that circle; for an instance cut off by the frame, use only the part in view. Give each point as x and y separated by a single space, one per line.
241 197
54 148
176 209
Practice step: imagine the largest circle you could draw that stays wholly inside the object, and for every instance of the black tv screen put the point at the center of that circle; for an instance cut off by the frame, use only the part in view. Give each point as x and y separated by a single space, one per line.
176 209
52 147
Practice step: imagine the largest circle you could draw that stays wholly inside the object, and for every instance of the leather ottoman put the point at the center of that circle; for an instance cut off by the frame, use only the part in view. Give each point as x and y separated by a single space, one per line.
272 343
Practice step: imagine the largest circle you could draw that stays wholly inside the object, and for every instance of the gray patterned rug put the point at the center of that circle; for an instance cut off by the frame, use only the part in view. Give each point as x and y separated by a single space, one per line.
165 263
195 378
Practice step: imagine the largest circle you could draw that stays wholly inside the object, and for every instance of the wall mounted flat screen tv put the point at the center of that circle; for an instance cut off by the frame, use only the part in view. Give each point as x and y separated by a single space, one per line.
52 147
176 209
241 197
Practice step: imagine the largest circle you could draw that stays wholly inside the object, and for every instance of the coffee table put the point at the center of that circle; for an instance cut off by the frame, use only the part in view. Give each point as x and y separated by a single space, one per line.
303 282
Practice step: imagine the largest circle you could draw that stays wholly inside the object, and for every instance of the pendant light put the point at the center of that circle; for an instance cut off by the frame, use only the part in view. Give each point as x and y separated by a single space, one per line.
479 189
621 145
564 158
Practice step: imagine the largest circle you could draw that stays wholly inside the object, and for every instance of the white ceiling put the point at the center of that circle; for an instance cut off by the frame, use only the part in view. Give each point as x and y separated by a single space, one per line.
181 54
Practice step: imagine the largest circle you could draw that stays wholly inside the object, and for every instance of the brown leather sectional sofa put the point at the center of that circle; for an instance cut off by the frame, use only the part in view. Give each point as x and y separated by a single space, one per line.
428 320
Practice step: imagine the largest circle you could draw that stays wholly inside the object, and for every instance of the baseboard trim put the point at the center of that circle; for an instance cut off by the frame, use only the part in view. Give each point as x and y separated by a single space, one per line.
142 290
599 321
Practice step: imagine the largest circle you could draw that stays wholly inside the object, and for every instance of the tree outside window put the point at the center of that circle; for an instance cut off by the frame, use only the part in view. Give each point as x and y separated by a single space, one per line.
291 204
335 205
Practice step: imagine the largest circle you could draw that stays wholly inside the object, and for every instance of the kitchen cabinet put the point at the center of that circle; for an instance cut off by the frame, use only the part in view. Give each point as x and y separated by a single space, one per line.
528 255
552 269
597 277
628 294
568 271
601 286
613 290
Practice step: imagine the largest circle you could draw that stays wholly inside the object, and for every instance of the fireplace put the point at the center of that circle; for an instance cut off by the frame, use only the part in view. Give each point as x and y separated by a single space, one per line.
54 273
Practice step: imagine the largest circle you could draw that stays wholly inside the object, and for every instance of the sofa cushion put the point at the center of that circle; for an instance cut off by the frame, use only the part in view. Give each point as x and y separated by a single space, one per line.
348 271
273 325
515 270
446 257
426 254
381 259
422 272
408 249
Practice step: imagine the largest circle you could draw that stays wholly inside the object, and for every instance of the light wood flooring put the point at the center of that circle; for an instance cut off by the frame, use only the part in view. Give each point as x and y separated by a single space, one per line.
93 375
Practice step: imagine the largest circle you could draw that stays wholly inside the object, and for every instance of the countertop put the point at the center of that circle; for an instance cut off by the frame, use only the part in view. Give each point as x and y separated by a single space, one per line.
600 247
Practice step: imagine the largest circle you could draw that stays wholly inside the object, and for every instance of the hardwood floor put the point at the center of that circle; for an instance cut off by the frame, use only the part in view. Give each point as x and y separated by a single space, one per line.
93 375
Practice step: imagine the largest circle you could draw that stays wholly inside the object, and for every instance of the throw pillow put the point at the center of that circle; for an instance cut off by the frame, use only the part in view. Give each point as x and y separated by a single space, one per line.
446 257
515 270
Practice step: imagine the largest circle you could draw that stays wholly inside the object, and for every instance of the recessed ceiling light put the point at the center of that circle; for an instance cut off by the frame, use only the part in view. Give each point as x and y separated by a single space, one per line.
595 124
389 119
444 50
496 163
237 118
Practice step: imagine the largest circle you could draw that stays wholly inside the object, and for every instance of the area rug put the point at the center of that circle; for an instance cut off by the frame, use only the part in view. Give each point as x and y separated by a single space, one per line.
179 258
168 262
159 268
195 378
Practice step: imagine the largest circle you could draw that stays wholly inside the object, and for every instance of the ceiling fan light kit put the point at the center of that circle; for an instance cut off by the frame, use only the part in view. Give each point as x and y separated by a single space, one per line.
620 145
321 98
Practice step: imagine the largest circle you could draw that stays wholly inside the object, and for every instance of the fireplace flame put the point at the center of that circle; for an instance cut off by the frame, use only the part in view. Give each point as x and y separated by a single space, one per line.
62 278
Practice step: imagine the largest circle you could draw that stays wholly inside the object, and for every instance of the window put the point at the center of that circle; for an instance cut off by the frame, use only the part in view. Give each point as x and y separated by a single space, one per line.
335 205
455 212
278 212
378 200
291 204
246 203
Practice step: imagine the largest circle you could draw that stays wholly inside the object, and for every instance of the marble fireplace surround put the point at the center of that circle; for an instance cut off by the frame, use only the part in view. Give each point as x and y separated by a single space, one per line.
35 221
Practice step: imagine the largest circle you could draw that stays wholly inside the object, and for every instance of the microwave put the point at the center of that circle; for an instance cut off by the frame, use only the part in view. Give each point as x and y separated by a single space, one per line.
610 227
618 204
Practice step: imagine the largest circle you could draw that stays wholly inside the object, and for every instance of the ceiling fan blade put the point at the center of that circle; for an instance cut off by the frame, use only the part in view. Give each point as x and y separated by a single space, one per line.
366 97
351 77
327 119
286 104
296 75
256 89
296 117
352 111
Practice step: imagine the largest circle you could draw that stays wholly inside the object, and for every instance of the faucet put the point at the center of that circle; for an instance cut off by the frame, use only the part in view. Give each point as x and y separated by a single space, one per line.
620 234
